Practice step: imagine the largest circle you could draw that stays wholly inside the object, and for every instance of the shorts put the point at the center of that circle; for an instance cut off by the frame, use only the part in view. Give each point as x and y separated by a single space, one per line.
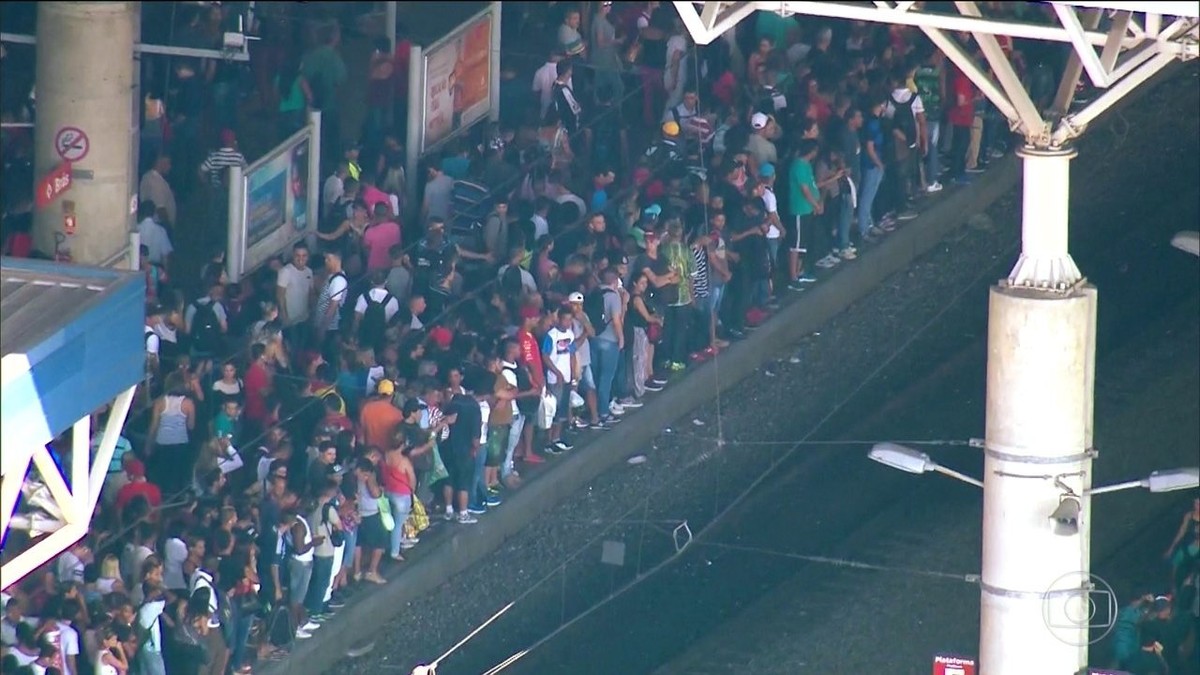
799 232
462 469
372 536
299 576
586 381
497 445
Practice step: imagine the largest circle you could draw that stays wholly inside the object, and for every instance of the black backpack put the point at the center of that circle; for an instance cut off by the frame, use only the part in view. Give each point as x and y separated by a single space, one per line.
904 120
374 321
205 328
593 307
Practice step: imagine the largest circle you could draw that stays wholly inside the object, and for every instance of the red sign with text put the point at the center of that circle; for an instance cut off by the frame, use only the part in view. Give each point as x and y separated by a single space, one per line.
54 184
948 664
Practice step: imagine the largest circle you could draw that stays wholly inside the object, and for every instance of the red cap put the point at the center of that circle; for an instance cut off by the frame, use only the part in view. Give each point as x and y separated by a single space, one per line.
530 312
228 138
135 468
441 336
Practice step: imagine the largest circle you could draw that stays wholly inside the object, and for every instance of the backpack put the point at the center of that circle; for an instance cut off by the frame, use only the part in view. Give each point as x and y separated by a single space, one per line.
593 307
374 320
336 536
205 328
904 120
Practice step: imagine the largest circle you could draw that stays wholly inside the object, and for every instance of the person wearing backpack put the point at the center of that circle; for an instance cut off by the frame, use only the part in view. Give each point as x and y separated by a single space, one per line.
328 311
906 111
207 323
373 312
602 305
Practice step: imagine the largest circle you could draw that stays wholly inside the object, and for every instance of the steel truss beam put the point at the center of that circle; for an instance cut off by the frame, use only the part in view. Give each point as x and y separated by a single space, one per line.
62 513
239 54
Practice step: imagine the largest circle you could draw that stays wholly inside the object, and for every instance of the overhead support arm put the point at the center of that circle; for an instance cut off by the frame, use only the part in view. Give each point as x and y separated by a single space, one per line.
1072 126
1083 49
1074 69
717 18
1037 132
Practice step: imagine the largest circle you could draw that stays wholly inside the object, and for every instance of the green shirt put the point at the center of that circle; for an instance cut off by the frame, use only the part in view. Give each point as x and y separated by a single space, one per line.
325 72
928 83
801 173
680 257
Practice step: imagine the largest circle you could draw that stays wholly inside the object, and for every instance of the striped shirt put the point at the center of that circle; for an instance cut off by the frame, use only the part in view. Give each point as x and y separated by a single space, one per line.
218 161
700 276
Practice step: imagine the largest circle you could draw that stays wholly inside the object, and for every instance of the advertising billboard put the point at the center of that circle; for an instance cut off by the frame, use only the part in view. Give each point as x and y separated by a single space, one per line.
458 81
277 199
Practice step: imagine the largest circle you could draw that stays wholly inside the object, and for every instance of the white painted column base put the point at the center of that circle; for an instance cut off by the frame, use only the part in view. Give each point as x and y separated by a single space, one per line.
1040 374
1045 262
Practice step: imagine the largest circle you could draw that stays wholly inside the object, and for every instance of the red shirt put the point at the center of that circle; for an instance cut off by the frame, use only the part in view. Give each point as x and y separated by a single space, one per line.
531 357
962 115
139 489
257 382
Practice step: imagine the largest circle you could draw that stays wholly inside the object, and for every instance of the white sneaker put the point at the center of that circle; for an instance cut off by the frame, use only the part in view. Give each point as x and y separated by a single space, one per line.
449 514
310 626
302 634
616 408
934 187
828 261
465 518
848 253
631 403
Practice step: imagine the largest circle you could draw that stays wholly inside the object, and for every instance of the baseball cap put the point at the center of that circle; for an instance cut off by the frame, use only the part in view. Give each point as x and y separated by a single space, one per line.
228 138
766 170
758 120
670 128
335 470
441 336
575 297
385 388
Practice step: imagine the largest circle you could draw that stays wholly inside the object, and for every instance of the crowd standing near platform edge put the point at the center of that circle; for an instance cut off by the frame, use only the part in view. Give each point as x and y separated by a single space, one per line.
388 377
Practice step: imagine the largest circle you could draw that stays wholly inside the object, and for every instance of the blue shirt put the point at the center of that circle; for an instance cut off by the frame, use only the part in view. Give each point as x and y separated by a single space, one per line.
872 132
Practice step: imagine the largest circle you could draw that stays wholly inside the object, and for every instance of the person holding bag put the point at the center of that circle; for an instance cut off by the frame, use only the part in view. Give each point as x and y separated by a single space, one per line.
372 531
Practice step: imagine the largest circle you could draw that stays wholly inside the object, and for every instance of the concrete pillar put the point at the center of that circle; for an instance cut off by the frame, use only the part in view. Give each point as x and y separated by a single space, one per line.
1040 381
84 83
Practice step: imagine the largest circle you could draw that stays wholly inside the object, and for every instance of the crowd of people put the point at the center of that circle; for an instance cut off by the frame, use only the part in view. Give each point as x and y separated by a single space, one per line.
406 364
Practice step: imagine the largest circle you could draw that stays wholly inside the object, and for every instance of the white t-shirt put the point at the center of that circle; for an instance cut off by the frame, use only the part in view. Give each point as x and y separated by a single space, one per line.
559 345
508 371
202 579
147 618
335 292
377 295
903 95
333 190
153 342
69 568
297 289
676 44
66 640
175 552
485 413
543 84
771 204
154 237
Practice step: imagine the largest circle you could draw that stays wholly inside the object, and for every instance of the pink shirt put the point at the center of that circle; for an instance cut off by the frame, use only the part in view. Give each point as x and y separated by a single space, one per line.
379 239
372 195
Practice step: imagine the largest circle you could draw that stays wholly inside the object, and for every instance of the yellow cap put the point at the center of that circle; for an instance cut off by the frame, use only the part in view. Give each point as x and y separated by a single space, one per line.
670 128
385 388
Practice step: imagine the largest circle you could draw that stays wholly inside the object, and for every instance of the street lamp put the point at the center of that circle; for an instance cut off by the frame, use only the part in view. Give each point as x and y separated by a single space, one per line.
914 461
1170 480
1189 242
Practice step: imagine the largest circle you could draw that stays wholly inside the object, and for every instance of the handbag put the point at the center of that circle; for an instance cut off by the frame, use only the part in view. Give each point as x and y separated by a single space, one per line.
654 333
385 513
547 410
418 519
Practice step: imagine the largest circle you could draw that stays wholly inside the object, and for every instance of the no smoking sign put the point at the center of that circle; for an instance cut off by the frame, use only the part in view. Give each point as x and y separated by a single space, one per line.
71 144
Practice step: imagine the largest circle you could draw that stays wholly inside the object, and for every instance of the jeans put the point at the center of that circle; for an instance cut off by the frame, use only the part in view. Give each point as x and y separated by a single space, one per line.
241 637
675 331
322 572
478 489
845 212
514 437
149 663
641 347
606 356
872 179
401 505
933 163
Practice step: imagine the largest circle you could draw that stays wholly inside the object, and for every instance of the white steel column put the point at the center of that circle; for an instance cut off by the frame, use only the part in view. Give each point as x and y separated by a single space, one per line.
84 84
1041 355
1045 262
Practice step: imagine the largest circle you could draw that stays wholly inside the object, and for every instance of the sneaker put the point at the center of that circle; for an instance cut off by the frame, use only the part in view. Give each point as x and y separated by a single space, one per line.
804 278
302 634
907 214
658 380
795 285
933 187
493 500
875 231
828 261
406 544
616 408
741 335
601 424
449 515
336 603
581 424
650 386
563 445
677 366
466 518
534 458
996 154
848 253
627 403
477 509
978 169
492 490
310 626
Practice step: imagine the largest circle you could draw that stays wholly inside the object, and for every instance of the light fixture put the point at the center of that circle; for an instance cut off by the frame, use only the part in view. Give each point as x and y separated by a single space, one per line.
1168 480
1188 242
914 461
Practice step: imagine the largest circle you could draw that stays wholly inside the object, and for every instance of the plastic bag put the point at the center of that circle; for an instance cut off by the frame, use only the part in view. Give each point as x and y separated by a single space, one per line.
547 410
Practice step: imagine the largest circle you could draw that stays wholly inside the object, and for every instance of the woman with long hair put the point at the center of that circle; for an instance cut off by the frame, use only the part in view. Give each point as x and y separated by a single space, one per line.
169 449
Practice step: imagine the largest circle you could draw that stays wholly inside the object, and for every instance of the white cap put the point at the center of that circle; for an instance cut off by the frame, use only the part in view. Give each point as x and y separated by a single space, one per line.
758 120
575 297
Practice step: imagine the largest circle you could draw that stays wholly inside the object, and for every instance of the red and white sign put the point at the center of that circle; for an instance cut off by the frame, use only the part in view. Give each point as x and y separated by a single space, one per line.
71 144
69 224
949 664
53 184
